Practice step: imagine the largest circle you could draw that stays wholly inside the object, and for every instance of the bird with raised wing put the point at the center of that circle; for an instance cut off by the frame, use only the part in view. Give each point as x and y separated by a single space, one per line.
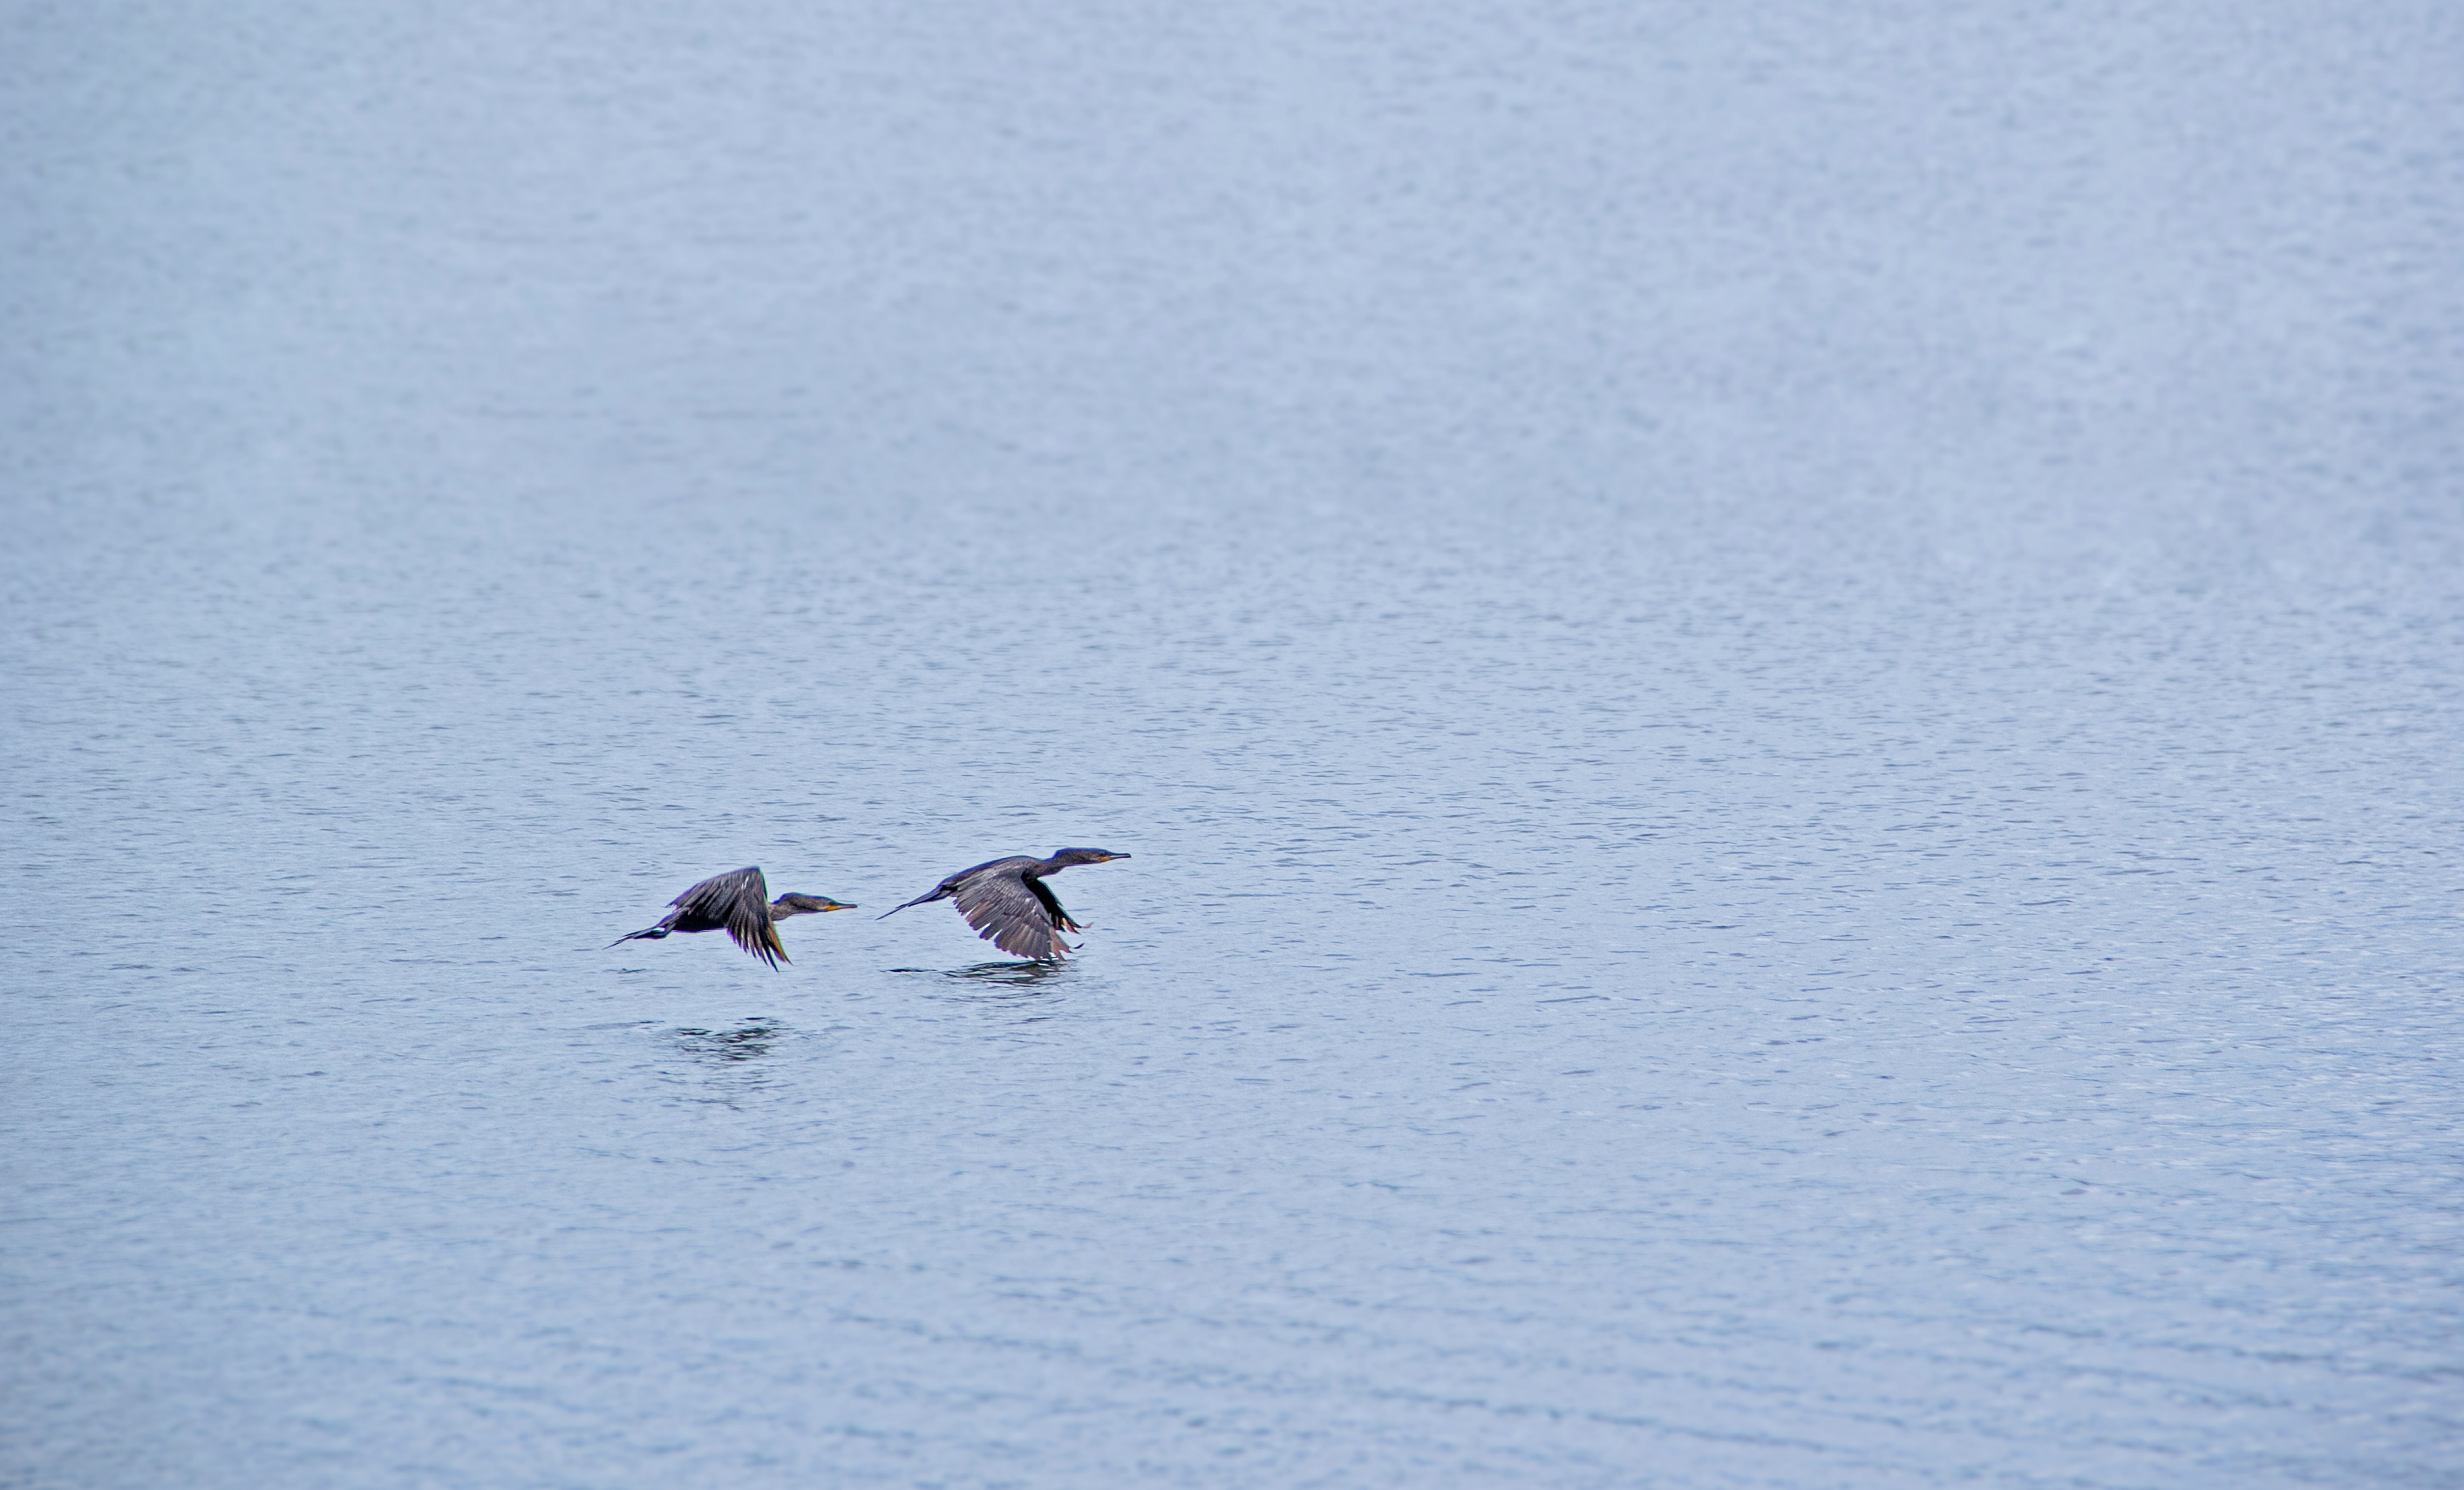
737 904
1008 904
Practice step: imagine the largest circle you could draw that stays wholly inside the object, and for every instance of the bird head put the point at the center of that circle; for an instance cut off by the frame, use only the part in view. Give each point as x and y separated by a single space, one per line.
1068 856
803 905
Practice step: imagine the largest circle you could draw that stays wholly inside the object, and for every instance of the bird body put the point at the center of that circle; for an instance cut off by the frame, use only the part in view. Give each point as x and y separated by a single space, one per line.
737 904
1008 904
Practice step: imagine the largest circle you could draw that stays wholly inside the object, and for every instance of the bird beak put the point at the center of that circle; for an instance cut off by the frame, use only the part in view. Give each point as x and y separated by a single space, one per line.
1109 858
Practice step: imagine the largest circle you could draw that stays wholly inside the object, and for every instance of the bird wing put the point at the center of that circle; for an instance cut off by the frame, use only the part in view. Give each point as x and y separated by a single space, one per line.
1007 914
739 901
1053 905
949 885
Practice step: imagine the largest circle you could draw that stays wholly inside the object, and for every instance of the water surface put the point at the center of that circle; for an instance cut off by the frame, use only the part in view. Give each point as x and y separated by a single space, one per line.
1793 811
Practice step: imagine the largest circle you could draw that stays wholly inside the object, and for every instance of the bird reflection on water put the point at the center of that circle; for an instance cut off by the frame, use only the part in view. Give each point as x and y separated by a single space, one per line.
1029 992
727 1066
1024 975
747 1043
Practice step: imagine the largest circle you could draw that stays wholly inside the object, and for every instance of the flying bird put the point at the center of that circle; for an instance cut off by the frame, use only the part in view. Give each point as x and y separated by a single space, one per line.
736 904
1008 904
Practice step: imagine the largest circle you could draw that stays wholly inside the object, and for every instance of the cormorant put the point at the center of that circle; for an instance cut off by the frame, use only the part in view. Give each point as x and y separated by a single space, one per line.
1008 904
733 903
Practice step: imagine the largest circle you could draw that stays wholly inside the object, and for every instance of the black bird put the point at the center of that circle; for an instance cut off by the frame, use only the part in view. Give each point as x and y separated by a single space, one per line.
1008 904
733 903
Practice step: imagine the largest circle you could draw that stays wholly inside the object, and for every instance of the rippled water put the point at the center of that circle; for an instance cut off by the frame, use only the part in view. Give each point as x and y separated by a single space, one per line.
1716 901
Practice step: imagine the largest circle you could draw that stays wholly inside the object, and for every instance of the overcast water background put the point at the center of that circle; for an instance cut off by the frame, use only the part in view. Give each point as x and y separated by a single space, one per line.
1784 681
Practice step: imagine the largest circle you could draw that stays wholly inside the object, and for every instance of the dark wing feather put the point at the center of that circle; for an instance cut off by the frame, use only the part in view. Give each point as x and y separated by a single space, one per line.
740 903
1053 905
949 887
1007 914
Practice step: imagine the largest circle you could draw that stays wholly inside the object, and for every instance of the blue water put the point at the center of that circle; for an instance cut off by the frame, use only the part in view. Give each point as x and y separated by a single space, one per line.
1786 692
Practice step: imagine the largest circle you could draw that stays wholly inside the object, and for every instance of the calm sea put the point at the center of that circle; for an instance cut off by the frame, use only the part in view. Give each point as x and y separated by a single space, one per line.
1786 694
